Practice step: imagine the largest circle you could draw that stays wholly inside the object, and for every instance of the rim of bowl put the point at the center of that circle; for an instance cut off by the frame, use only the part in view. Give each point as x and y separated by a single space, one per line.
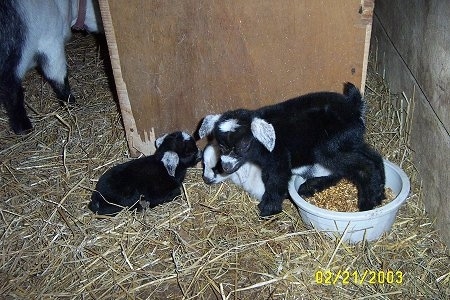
358 215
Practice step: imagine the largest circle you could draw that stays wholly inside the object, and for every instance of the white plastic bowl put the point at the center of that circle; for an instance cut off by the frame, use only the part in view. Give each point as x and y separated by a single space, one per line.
353 227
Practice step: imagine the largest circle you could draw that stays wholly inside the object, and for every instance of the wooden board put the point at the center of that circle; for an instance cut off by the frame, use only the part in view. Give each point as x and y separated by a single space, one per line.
176 61
413 48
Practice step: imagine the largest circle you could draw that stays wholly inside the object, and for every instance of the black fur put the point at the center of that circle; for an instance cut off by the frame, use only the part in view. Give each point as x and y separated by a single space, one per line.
323 128
145 179
12 39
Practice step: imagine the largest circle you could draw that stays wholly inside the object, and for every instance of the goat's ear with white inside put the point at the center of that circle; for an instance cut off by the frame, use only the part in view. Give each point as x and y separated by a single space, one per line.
207 125
160 140
264 132
170 161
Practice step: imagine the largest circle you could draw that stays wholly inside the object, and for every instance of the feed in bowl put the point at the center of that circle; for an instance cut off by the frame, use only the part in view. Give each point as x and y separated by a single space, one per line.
355 226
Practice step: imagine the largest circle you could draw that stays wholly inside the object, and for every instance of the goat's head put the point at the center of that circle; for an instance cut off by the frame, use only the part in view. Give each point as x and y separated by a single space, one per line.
235 133
177 148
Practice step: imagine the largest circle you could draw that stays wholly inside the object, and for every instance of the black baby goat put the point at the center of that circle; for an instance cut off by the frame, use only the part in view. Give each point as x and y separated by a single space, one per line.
147 181
319 136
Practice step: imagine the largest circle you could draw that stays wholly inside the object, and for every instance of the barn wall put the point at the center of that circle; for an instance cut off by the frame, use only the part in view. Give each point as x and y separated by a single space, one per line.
412 41
176 62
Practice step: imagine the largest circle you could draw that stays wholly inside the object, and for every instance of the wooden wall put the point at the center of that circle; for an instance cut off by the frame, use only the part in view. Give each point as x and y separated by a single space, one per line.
176 61
413 45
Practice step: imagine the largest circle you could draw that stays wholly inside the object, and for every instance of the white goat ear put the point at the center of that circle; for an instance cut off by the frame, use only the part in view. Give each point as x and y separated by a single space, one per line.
170 161
264 132
207 125
160 140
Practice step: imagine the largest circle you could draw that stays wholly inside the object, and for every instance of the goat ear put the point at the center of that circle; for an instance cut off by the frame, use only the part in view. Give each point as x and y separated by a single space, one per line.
160 140
264 132
207 125
170 161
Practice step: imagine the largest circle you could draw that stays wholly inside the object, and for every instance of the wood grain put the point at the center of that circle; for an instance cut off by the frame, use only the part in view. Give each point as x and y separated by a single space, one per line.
183 60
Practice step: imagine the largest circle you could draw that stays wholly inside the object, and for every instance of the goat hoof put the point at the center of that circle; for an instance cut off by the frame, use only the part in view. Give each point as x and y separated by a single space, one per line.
366 205
69 100
268 210
306 191
23 127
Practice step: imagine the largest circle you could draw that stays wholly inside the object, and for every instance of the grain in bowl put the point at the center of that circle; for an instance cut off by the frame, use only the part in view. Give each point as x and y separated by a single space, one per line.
358 225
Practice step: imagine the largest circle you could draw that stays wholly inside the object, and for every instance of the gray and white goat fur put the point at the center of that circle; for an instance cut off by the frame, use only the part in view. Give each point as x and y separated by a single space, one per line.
147 181
33 33
318 133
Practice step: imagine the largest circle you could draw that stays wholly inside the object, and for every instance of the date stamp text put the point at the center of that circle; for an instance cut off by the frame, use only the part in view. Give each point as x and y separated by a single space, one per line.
328 277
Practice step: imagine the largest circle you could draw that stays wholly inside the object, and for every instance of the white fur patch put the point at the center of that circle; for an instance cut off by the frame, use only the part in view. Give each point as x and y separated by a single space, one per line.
248 176
320 171
210 160
48 28
301 170
207 125
310 171
160 140
229 125
186 136
170 161
264 132
228 162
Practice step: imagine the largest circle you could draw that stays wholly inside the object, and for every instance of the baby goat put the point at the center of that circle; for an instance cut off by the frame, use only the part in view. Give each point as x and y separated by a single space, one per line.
318 133
33 33
147 181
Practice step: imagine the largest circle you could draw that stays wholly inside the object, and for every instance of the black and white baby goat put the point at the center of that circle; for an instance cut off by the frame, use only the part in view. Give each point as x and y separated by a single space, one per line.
319 136
33 33
147 181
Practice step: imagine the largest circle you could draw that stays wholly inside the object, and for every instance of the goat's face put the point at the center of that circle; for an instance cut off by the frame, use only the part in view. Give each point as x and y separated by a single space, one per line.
234 138
177 148
233 152
238 135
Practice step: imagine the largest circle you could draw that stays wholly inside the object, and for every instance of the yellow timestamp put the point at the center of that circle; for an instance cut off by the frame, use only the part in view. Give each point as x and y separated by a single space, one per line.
328 277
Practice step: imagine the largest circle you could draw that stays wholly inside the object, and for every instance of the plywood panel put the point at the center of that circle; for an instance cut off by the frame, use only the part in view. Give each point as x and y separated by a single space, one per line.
423 42
181 60
413 49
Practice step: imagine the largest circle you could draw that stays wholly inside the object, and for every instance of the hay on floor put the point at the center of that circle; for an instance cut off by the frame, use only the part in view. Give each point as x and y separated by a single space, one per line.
208 243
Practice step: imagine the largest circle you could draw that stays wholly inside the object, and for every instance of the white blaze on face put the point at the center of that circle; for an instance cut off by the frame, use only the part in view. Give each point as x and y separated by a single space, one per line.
228 162
229 125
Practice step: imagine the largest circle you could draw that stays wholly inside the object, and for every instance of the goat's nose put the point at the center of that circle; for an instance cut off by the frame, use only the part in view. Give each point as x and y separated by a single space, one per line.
227 168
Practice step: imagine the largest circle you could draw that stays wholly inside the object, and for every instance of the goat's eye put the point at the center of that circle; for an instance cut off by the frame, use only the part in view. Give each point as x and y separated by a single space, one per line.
242 147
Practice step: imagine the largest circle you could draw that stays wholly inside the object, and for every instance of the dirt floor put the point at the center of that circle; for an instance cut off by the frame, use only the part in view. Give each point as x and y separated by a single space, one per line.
208 243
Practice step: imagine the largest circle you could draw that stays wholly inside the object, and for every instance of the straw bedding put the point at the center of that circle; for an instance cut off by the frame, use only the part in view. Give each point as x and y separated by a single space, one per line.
208 243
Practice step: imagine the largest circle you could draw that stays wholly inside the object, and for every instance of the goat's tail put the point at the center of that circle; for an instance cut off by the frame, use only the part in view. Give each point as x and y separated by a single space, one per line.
356 99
